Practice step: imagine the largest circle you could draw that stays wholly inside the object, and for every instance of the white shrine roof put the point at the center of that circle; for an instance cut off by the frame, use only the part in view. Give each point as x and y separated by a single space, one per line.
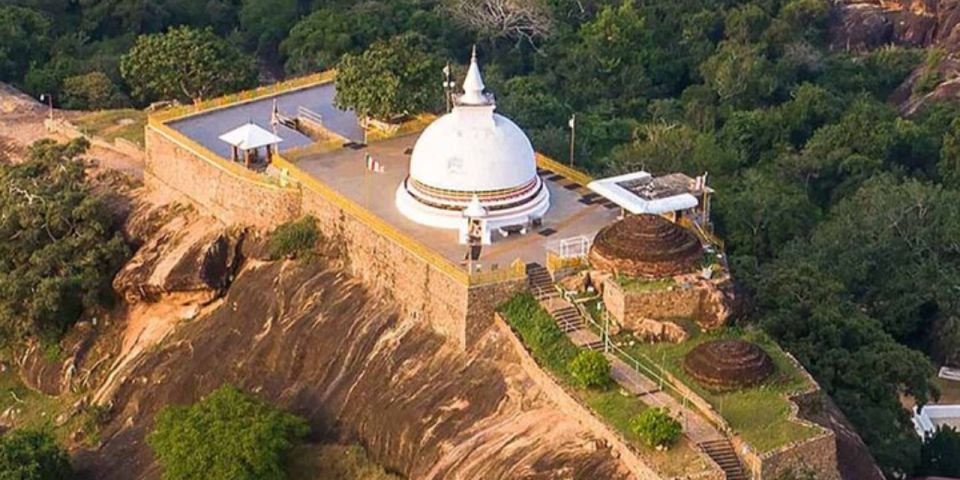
641 192
250 136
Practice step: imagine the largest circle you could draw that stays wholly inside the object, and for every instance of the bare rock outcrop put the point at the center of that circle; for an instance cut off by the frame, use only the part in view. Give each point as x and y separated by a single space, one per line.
313 340
863 25
181 252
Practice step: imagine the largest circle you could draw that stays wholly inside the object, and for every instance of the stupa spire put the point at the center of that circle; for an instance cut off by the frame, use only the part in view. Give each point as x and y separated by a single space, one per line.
473 87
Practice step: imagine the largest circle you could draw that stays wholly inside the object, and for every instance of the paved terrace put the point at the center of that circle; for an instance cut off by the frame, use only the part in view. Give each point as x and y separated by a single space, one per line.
206 128
572 211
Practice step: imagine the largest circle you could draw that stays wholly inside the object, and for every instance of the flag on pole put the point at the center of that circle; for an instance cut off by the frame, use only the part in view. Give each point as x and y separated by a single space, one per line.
573 121
373 165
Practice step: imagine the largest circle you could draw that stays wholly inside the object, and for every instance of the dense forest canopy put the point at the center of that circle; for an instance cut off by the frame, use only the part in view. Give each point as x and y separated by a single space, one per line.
840 213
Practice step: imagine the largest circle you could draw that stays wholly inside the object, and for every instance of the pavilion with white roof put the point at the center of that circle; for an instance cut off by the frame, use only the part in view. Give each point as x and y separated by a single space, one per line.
249 139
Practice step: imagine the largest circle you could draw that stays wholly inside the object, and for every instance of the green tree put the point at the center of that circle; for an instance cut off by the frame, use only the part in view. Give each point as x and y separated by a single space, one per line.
741 75
32 455
227 435
940 454
590 369
24 39
663 149
656 427
265 23
185 63
390 78
90 91
948 167
745 217
62 245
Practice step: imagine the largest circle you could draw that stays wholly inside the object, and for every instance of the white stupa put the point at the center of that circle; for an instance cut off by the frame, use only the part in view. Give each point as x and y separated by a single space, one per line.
472 162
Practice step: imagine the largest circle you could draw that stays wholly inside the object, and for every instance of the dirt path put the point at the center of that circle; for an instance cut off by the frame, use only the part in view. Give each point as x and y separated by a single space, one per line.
22 123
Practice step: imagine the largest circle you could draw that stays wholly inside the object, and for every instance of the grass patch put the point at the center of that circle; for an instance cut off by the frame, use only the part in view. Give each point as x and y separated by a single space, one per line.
124 123
759 414
949 390
553 351
643 285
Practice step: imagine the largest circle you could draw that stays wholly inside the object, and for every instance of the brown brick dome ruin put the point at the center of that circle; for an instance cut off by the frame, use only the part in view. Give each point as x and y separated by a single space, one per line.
646 246
728 364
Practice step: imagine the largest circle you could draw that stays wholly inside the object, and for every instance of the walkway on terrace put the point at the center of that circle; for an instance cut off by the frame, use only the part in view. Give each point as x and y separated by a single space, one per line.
701 432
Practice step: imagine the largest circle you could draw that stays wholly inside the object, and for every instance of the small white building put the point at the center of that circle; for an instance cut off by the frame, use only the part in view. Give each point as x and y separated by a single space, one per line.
929 418
477 159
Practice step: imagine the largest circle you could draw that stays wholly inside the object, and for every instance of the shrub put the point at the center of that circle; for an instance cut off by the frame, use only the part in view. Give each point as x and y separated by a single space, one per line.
33 455
539 333
656 427
590 369
294 239
227 435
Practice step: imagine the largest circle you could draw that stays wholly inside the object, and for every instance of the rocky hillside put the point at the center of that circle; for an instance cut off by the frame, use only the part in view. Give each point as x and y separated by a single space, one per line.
861 25
203 307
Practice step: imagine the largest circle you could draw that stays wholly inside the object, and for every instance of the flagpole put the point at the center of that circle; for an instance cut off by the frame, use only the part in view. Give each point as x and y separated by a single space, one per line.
367 160
573 136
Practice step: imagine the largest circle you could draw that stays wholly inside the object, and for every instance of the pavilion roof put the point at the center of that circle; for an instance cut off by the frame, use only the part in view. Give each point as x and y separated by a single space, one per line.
640 192
250 136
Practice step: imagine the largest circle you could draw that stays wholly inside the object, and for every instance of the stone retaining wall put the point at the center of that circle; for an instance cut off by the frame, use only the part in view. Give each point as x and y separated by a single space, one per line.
704 301
668 303
424 291
227 195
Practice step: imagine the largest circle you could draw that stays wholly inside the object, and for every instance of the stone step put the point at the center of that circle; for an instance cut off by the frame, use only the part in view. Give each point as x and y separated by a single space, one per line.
722 452
595 346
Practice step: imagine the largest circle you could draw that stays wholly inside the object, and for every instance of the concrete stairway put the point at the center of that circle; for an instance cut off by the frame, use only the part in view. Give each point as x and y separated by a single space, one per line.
568 319
541 283
722 452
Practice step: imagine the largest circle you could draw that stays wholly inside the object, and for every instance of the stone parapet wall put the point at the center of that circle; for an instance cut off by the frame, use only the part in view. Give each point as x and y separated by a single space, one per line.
119 145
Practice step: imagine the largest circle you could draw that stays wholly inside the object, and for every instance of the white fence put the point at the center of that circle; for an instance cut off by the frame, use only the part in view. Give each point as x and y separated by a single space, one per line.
573 247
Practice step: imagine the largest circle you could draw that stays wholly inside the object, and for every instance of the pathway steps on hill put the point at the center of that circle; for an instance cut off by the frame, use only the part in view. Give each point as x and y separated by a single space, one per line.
701 432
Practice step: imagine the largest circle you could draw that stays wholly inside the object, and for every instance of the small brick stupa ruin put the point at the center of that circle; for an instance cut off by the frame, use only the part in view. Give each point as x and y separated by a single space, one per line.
647 246
723 365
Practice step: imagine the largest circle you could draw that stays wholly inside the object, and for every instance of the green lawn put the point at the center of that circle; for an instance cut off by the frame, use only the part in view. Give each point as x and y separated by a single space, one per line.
110 124
760 414
553 350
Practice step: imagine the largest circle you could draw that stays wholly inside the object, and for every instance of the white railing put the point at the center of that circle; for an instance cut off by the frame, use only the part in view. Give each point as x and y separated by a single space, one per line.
573 247
304 113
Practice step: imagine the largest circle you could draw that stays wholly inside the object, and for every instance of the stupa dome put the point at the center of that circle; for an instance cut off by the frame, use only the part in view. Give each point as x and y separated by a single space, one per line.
473 155
728 364
460 153
646 246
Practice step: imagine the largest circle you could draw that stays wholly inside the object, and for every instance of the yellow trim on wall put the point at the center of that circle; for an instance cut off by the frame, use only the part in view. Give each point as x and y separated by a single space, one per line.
233 99
548 163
